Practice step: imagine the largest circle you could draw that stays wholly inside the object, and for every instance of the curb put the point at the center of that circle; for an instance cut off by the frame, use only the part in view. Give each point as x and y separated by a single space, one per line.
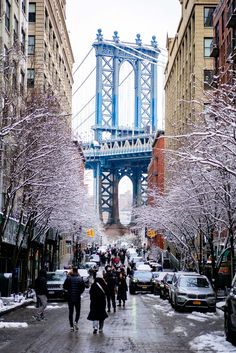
16 306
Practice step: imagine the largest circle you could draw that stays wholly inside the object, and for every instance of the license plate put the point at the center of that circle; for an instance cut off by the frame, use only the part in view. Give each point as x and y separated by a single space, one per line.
144 287
197 302
51 292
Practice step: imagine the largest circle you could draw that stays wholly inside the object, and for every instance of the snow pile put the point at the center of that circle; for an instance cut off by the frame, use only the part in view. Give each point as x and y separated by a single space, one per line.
214 343
198 316
13 324
52 306
7 303
180 329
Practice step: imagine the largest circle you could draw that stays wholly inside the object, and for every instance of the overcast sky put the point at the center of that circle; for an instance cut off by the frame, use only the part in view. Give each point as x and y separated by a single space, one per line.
128 17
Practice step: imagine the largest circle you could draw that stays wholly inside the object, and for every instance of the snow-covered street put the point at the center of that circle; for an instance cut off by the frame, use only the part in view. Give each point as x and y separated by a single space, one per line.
146 324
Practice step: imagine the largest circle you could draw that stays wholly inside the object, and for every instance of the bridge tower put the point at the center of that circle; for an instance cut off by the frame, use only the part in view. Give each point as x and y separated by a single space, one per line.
123 152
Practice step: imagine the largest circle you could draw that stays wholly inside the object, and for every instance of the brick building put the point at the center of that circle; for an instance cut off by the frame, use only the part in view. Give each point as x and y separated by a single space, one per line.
223 47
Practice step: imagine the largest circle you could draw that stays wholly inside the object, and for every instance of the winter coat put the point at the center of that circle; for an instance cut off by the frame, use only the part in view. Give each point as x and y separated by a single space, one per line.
111 281
41 284
75 286
98 300
122 287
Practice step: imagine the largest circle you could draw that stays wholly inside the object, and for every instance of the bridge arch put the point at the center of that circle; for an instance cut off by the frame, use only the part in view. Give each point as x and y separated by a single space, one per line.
126 95
125 199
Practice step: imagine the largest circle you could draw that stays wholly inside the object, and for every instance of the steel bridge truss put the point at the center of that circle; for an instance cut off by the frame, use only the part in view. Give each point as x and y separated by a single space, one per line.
127 151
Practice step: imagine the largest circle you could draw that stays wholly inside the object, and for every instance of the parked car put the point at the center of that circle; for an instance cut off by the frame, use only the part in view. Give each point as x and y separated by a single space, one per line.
95 258
166 284
174 280
155 266
192 291
133 260
230 314
141 266
55 283
141 281
157 281
131 251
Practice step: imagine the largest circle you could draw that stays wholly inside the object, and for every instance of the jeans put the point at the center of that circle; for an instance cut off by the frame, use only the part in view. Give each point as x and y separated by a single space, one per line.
73 306
42 306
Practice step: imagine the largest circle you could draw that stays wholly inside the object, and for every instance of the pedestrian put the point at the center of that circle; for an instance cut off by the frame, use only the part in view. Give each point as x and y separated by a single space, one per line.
122 287
41 293
111 281
74 285
98 293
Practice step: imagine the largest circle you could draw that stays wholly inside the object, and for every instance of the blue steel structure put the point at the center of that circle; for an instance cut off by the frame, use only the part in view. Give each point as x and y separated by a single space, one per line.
127 151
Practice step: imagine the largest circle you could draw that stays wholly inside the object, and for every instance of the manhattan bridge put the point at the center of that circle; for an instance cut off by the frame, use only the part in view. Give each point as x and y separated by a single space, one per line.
114 149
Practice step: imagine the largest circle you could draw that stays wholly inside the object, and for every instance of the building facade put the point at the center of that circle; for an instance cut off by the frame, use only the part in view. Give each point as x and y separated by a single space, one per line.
223 48
50 57
35 57
156 179
189 68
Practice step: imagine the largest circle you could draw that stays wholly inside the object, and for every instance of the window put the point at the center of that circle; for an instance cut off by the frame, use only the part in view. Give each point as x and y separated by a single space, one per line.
15 29
207 46
208 78
30 77
14 76
22 82
31 45
32 12
22 40
7 15
23 5
6 62
208 16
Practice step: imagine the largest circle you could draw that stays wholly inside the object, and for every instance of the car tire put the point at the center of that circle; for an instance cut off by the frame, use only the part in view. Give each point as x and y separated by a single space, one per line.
229 334
131 291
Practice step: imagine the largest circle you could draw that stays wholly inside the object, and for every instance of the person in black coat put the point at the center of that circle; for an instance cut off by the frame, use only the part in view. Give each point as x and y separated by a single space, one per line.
111 281
98 293
74 285
122 287
41 293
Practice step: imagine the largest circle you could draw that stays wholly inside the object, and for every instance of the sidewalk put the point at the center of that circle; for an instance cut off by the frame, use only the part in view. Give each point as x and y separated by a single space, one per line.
8 304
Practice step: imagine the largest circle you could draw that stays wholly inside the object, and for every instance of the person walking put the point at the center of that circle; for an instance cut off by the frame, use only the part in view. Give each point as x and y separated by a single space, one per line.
41 293
75 286
98 293
111 281
122 287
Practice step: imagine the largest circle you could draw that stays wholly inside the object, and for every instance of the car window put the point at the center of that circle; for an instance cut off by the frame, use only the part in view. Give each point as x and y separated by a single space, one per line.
56 277
194 282
169 278
143 275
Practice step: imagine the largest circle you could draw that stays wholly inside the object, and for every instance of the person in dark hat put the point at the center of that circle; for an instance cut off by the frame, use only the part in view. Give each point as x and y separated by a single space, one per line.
111 281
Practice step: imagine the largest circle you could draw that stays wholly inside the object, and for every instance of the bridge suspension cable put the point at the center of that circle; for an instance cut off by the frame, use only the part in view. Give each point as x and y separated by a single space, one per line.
82 61
86 104
84 80
84 121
